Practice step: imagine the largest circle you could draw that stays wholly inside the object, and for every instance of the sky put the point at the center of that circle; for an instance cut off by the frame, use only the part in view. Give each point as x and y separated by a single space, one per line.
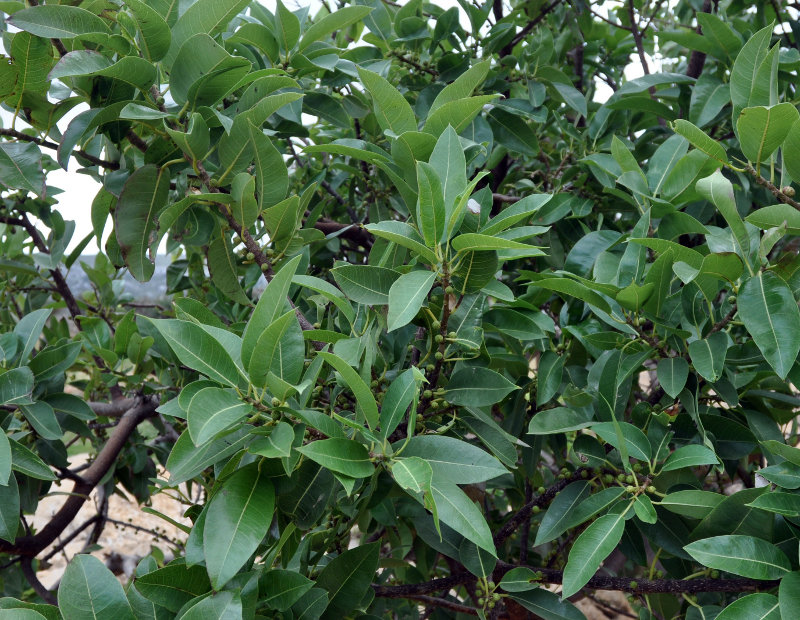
80 189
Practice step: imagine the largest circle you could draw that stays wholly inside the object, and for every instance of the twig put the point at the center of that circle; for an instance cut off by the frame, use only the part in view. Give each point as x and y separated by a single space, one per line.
31 545
38 586
775 190
533 23
13 133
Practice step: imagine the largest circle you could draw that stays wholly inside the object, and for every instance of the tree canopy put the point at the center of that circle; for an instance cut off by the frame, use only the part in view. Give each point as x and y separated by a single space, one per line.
462 319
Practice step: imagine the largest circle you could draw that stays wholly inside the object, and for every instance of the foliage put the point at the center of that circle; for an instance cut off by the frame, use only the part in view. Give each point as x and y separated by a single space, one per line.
512 332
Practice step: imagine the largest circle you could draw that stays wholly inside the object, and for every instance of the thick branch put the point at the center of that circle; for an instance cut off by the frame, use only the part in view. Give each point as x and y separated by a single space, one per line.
30 546
698 59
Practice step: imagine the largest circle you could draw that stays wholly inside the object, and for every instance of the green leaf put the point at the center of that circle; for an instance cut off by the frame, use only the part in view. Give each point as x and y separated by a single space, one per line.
589 550
280 350
786 504
405 235
199 350
9 502
478 387
237 519
224 270
396 401
413 474
547 605
741 555
781 449
42 418
559 420
283 588
478 241
519 211
557 519
130 69
21 167
270 306
791 151
447 160
789 595
391 109
5 459
786 474
719 191
690 456
769 311
364 397
548 378
155 33
213 410
567 286
26 462
519 579
460 513
272 177
763 129
644 509
204 16
406 296
513 133
708 356
752 607
777 215
339 20
454 460
701 140
431 211
636 441
287 27
88 591
672 375
58 21
278 444
462 87
143 197
691 503
347 577
458 114
174 585
744 74
343 456
16 386
203 72
365 284
218 606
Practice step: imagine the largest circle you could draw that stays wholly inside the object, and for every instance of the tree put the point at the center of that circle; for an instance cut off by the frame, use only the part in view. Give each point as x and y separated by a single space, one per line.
512 334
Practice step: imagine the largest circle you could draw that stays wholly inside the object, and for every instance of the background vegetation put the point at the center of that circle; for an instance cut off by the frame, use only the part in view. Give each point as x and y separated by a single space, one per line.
512 336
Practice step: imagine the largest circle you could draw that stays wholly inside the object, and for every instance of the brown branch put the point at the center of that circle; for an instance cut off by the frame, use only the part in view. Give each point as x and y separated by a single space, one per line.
774 189
38 586
13 133
31 545
697 60
724 321
114 409
524 513
533 23
351 232
62 51
432 601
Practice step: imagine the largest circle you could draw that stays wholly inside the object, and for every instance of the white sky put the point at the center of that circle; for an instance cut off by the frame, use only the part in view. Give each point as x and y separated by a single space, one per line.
80 189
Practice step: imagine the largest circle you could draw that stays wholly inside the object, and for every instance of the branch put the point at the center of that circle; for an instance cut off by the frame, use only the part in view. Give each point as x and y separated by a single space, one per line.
774 189
30 546
13 133
724 321
38 586
533 23
432 601
698 59
542 500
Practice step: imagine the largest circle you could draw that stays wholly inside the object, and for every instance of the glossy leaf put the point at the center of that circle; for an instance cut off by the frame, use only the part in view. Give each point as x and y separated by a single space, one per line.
589 550
343 456
763 129
88 590
689 456
478 387
769 312
406 296
741 555
237 519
